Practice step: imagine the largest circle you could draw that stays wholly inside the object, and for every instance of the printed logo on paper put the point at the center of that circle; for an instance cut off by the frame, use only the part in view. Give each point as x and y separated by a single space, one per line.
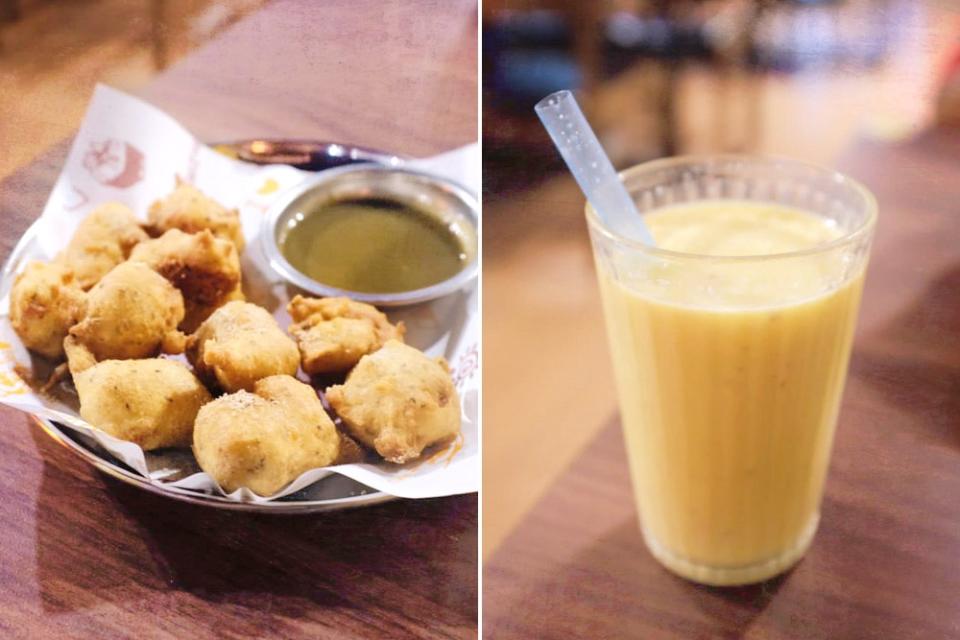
75 198
466 366
114 163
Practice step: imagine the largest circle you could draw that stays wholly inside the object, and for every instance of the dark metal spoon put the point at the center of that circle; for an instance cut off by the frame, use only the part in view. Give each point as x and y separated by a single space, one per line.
309 155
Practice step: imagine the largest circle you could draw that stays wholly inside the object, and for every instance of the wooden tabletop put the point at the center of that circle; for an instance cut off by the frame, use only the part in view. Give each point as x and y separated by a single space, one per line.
886 560
84 556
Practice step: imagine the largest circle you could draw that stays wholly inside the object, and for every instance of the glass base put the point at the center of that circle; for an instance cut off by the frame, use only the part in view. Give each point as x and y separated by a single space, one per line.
733 576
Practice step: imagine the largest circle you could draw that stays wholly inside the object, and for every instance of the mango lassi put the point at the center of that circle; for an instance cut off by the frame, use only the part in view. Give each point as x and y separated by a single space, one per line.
729 374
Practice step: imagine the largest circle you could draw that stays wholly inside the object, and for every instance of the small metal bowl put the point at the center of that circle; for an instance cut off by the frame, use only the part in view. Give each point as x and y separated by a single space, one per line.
447 201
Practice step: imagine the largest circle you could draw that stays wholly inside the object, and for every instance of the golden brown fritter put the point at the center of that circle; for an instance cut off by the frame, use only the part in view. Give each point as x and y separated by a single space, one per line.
79 359
334 333
188 209
398 402
45 302
197 313
103 240
264 440
151 402
239 344
133 312
203 267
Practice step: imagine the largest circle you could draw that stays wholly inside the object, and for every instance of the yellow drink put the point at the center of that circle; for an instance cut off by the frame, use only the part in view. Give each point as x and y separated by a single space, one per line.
729 373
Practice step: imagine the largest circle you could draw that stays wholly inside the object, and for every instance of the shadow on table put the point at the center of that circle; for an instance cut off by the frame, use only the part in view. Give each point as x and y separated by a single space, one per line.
623 557
914 360
622 591
121 545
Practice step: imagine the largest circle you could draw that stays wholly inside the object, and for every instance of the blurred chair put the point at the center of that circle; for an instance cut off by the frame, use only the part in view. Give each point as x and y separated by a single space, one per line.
581 19
530 49
534 47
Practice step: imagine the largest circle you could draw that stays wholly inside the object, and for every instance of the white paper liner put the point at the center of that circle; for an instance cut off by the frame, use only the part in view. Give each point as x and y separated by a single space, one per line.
128 151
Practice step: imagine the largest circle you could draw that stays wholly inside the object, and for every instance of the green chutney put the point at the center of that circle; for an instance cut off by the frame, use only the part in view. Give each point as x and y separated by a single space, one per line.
372 245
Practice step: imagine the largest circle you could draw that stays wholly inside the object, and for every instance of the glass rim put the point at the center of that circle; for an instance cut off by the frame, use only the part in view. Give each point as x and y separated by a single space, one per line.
864 229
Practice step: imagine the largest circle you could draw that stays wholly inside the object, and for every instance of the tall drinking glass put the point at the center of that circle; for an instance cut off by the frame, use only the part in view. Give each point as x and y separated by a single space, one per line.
730 341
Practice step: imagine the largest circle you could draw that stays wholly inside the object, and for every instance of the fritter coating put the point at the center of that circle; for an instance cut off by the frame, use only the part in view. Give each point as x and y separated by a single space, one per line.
103 240
203 267
197 313
151 402
79 357
188 209
334 333
45 302
265 439
239 344
133 312
398 402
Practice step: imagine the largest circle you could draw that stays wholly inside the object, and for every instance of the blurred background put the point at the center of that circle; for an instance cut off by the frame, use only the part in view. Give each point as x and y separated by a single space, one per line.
810 79
53 52
795 77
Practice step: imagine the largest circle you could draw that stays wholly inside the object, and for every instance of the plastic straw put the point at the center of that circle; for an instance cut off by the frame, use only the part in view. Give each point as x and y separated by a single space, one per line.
590 166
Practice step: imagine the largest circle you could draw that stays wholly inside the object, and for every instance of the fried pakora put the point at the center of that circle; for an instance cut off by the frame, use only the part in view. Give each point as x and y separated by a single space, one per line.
188 209
334 333
133 312
398 401
265 439
151 402
45 302
103 240
197 313
203 267
239 344
79 359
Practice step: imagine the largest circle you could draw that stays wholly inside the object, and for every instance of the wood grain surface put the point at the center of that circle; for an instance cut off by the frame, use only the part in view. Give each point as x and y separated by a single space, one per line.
84 556
886 561
399 75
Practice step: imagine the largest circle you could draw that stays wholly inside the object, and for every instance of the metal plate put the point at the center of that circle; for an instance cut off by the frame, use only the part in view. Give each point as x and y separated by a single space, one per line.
331 493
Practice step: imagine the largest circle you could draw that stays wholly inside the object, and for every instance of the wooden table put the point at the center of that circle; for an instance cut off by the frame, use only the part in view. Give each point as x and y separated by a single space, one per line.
84 556
886 561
